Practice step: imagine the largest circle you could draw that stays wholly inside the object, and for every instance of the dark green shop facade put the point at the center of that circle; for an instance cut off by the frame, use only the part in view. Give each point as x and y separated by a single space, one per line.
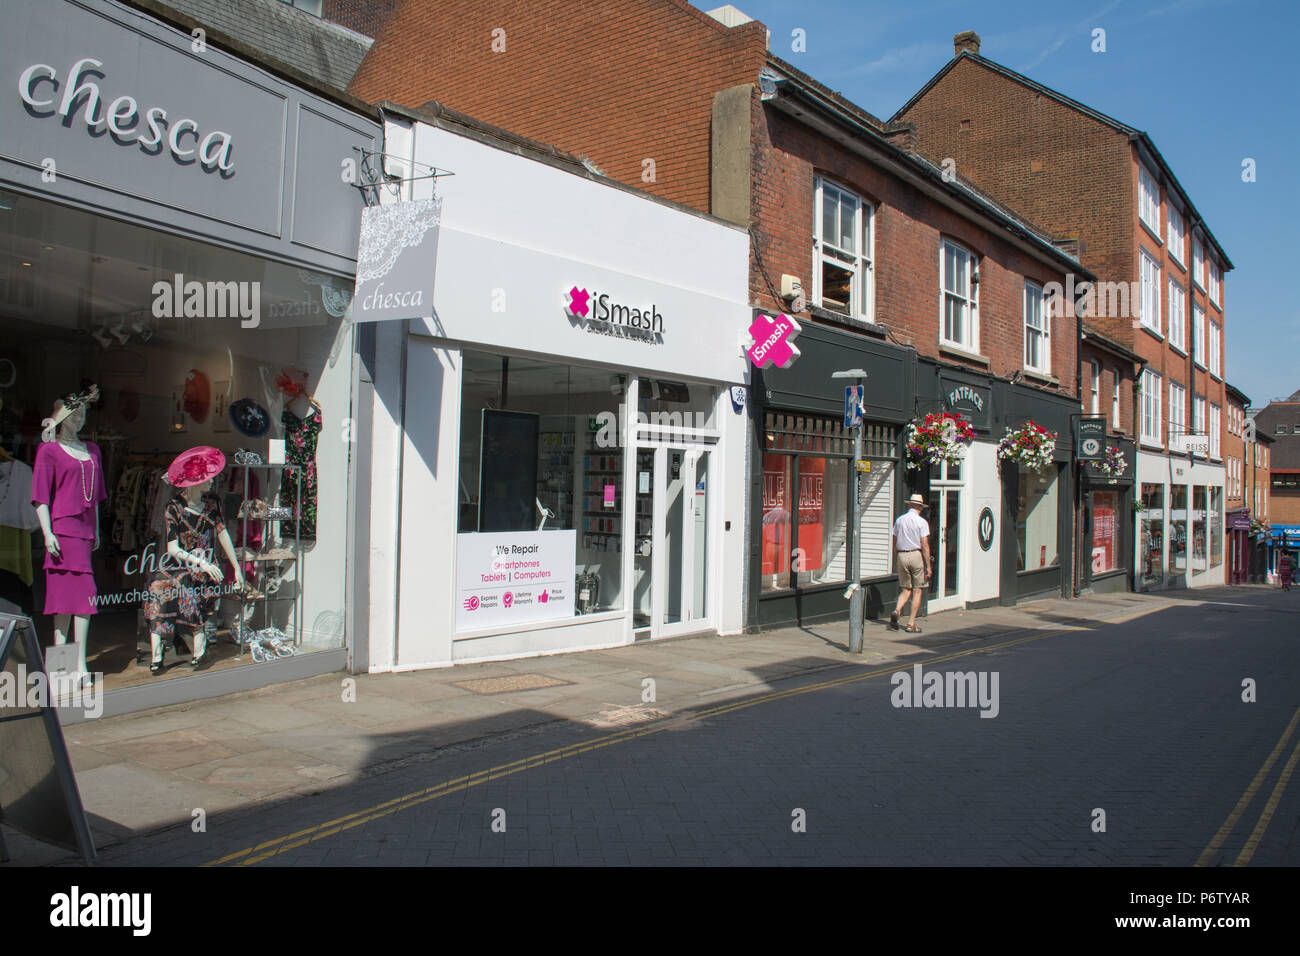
999 533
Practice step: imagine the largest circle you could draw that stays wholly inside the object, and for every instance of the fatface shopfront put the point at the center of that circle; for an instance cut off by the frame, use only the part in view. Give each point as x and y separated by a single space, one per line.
558 454
177 252
1000 531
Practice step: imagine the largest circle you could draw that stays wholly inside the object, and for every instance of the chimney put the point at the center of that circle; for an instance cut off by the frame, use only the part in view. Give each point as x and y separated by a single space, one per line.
967 40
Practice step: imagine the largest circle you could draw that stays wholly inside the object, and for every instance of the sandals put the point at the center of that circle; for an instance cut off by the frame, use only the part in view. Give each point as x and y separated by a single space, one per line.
911 629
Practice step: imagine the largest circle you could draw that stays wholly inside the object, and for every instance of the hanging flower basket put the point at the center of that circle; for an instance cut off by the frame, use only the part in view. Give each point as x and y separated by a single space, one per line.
1030 445
938 437
1114 465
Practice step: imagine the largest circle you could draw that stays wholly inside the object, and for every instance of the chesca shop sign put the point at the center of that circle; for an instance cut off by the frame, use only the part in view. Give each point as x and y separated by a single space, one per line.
75 95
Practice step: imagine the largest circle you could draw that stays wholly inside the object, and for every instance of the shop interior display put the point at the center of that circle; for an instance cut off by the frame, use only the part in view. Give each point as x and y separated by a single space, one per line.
271 548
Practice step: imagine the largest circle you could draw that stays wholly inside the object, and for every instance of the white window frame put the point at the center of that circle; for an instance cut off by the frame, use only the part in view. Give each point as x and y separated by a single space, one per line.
1150 411
1094 386
1177 316
1198 335
859 262
1215 426
1040 335
1114 403
1148 199
1215 336
971 301
1177 410
1212 291
1198 263
1150 269
1198 415
1176 238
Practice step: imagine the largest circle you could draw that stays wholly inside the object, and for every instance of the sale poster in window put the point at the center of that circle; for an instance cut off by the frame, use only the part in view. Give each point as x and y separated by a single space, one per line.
1104 545
812 491
776 514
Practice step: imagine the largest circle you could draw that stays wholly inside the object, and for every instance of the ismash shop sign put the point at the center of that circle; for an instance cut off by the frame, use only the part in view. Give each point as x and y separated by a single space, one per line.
75 95
603 314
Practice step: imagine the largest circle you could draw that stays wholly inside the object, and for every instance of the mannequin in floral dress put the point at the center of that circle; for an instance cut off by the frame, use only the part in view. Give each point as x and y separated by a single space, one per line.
184 592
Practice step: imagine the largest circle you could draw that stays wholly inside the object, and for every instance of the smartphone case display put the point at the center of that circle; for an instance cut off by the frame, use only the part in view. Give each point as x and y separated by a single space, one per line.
602 518
273 548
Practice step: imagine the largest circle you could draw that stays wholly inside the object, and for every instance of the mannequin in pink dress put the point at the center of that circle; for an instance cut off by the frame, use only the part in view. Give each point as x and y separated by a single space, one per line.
67 486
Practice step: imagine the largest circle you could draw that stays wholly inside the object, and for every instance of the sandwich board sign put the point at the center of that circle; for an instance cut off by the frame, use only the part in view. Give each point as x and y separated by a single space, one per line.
38 790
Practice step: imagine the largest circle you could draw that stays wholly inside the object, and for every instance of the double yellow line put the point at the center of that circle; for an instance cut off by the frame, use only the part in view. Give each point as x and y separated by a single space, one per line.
271 848
1270 806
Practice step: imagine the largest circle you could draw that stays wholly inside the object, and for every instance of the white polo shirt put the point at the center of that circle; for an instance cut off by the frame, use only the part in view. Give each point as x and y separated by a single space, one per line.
909 530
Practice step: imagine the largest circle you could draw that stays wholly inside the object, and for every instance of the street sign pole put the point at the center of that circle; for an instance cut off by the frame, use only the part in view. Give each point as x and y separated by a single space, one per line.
854 537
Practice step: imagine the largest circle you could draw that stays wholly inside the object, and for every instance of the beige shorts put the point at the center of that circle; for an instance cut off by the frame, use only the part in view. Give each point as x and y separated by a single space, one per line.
911 569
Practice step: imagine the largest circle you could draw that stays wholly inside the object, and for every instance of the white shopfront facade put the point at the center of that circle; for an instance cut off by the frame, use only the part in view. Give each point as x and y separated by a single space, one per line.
1180 522
558 456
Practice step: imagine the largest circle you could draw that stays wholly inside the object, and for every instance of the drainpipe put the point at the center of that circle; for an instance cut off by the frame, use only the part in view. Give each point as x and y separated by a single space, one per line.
1078 471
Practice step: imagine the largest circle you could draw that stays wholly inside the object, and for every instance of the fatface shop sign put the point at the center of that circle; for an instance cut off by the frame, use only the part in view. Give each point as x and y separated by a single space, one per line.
75 96
969 401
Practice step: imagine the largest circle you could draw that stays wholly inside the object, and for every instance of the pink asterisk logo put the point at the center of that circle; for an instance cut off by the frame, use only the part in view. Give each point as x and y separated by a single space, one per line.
578 302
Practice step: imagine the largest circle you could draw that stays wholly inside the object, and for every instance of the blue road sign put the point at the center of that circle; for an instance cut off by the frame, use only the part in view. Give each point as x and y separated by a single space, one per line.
853 397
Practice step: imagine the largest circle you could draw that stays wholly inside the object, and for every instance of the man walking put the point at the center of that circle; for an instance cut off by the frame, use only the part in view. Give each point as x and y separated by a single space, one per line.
912 549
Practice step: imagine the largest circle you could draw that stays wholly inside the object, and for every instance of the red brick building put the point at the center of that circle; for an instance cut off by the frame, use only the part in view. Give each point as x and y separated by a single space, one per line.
1086 176
892 264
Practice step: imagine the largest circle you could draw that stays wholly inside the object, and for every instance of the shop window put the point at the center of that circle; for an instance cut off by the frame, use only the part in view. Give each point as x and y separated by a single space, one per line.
1152 535
1106 554
1036 519
243 364
778 506
1199 529
1216 526
1178 530
541 453
806 501
822 547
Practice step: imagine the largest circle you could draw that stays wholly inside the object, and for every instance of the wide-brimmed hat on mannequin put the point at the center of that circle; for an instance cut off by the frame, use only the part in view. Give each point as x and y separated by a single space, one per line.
195 466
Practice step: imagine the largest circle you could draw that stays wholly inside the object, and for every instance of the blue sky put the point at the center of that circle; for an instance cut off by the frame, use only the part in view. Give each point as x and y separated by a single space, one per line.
1211 81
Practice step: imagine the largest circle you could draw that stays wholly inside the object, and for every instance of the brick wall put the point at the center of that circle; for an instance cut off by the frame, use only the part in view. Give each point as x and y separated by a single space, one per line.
1113 369
909 227
1063 171
618 84
1074 176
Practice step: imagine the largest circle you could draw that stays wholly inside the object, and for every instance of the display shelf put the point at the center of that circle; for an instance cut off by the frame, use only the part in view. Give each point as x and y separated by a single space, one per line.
268 557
